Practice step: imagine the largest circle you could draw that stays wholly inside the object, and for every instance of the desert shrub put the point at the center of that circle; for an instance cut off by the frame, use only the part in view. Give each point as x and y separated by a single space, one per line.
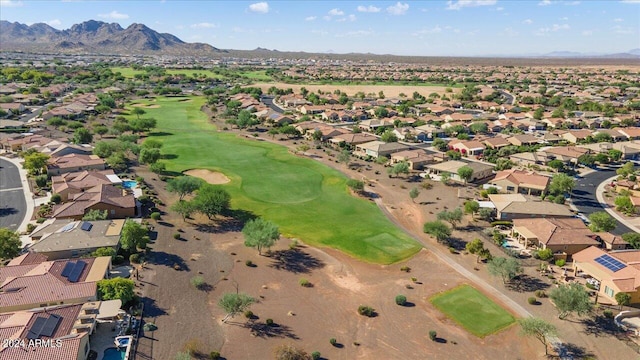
545 254
134 258
249 263
294 244
149 327
304 282
176 236
248 314
41 180
333 341
433 335
197 282
214 355
315 355
192 347
41 220
590 286
269 322
366 310
532 300
401 300
56 198
608 314
405 269
541 294
560 262
155 215
119 259
30 228
502 222
453 250
183 356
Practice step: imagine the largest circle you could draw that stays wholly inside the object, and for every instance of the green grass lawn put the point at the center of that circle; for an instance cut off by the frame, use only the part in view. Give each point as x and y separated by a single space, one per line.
258 75
472 310
307 199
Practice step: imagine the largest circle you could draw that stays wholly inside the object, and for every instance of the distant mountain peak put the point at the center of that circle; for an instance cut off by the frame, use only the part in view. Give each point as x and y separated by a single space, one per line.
93 36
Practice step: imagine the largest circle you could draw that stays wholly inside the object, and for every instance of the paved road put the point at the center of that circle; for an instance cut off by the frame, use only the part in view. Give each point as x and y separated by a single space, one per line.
509 99
268 100
13 205
584 196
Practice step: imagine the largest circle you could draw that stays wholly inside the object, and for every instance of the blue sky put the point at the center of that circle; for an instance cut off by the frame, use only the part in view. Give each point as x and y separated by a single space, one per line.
425 28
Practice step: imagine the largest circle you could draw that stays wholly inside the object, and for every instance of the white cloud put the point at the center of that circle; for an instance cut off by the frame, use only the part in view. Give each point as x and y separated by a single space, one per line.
10 3
545 3
528 22
398 9
260 7
459 4
557 27
320 32
351 17
509 31
204 25
357 33
335 12
587 32
53 23
114 15
630 1
564 18
435 30
500 8
369 9
618 20
572 3
554 28
310 18
622 30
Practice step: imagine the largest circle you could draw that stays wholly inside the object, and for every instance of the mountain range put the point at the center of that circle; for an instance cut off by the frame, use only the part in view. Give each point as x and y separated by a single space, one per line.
96 37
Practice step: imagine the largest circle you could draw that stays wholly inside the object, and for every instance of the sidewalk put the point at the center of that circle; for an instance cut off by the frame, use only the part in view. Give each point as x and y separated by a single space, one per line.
631 224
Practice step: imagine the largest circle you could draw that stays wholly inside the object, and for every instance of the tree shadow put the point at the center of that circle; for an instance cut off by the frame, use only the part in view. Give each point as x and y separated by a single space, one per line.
8 211
169 156
295 261
233 220
573 351
151 308
164 223
600 326
166 259
526 283
263 330
440 340
408 304
160 133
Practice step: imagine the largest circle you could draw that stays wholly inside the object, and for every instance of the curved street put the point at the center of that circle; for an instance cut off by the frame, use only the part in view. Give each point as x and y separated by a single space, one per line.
13 205
584 196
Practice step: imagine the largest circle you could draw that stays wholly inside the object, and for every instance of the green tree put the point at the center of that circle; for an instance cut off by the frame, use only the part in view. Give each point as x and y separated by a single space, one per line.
152 144
633 239
105 251
388 136
453 217
117 162
143 124
506 268
184 208
615 155
556 164
626 170
381 112
234 304
623 299
475 247
149 155
158 167
454 155
438 230
561 184
116 288
479 128
82 136
356 185
344 157
94 215
439 144
471 207
137 111
601 221
133 236
212 201
624 204
465 173
245 119
10 244
35 163
399 168
539 329
570 298
259 234
184 185
413 194
445 177
485 214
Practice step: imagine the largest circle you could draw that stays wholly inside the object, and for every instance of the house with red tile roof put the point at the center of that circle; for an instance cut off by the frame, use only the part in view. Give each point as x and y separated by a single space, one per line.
74 163
514 181
566 236
48 283
70 184
118 202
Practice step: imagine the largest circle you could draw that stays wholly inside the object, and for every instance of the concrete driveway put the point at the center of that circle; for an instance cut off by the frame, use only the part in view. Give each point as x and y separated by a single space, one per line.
13 205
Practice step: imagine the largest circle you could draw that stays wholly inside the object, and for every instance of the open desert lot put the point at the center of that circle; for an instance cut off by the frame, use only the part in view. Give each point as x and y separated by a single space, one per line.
351 90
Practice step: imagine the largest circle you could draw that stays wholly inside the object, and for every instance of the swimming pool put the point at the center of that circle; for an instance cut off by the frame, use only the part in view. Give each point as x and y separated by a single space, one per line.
129 184
113 354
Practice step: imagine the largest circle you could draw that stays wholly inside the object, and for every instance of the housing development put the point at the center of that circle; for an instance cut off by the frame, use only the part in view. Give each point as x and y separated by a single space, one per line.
191 204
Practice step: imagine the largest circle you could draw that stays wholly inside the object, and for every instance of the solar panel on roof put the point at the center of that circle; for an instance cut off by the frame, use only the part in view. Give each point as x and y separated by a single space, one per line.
67 268
77 270
36 328
68 227
50 325
610 263
86 226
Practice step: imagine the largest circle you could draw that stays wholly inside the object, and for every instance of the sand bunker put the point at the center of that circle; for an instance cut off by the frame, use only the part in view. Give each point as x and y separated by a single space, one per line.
212 177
